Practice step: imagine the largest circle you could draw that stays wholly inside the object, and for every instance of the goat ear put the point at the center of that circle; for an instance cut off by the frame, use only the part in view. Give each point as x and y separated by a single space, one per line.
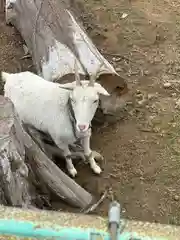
68 86
101 90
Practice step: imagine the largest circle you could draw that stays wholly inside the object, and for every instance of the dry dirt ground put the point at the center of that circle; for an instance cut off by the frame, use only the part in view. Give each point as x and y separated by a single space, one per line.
142 154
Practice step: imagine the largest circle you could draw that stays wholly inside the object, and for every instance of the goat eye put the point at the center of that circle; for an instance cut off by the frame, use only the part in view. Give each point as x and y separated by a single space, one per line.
95 101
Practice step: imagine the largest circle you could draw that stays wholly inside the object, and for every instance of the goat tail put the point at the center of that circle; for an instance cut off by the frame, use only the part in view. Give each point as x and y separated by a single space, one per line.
4 76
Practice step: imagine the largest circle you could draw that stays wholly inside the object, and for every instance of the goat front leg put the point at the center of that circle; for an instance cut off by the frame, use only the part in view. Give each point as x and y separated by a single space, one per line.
67 154
89 153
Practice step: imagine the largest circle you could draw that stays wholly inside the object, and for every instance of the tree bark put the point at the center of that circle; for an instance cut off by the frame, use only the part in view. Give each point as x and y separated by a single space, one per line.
55 39
19 153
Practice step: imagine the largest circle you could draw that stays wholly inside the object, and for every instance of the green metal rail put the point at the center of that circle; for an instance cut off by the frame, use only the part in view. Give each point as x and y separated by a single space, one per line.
16 224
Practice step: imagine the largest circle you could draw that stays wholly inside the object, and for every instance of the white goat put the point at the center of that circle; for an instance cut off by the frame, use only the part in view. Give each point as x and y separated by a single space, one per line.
64 111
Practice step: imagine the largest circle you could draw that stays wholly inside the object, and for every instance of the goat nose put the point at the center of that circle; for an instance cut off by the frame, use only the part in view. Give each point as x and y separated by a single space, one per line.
81 127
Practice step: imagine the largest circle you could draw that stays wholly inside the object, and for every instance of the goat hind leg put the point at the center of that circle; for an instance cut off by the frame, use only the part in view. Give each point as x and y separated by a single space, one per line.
67 154
71 169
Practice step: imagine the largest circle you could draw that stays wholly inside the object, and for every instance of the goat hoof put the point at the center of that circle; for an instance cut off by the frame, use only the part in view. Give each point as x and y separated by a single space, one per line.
73 172
96 169
97 155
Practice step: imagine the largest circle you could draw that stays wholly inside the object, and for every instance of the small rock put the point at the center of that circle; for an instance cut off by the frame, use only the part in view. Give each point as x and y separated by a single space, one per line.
26 50
165 78
157 130
138 91
146 72
118 69
142 102
129 103
151 96
167 85
131 113
118 59
124 15
173 125
176 198
173 94
151 117
123 210
139 96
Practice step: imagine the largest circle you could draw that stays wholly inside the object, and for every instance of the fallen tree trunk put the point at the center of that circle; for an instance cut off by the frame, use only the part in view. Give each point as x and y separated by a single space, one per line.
55 40
19 153
14 188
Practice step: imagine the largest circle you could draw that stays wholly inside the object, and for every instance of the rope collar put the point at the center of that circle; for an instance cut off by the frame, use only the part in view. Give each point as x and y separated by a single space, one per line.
73 119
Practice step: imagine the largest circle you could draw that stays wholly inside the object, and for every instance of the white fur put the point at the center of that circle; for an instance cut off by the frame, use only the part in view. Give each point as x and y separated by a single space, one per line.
84 100
44 105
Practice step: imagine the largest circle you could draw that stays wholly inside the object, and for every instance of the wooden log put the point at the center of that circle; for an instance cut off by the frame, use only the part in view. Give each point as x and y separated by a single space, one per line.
55 39
95 226
14 188
17 145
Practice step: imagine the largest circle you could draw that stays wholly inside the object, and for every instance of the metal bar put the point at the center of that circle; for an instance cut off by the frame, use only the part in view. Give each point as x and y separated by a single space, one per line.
30 224
29 229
